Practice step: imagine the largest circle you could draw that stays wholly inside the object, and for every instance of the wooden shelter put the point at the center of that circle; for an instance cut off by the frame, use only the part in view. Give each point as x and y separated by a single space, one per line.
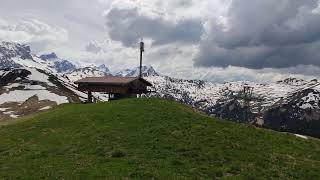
116 87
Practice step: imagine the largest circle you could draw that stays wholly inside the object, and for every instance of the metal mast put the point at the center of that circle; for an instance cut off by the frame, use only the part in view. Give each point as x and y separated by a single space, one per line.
141 52
247 98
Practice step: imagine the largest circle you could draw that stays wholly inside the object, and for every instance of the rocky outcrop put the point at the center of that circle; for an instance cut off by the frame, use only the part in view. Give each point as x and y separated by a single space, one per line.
300 114
11 75
10 50
49 56
146 72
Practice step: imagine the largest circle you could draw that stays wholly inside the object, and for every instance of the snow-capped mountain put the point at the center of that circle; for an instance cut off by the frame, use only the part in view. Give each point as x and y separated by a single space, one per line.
103 68
10 51
15 55
80 73
40 81
60 65
146 72
290 105
31 83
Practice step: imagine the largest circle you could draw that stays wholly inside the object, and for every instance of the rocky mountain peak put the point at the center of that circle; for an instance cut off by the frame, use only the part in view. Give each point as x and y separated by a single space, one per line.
11 49
293 82
49 56
60 65
103 68
149 71
146 72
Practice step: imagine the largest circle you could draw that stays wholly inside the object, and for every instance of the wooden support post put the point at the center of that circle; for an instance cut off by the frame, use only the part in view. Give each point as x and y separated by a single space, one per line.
89 97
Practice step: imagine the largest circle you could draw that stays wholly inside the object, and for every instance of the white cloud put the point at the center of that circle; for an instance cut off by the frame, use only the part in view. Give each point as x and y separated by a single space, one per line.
33 32
76 30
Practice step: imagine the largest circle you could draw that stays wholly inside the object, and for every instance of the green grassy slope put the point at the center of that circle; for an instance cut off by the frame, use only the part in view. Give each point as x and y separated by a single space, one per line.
145 138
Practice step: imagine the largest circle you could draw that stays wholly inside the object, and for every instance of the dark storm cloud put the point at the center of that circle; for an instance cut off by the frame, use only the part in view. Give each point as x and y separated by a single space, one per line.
264 33
127 26
259 57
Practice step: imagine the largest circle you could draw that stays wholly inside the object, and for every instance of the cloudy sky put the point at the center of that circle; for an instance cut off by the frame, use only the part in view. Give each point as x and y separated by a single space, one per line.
215 40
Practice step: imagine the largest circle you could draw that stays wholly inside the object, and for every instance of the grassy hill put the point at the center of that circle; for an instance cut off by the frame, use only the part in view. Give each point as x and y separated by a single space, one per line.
146 138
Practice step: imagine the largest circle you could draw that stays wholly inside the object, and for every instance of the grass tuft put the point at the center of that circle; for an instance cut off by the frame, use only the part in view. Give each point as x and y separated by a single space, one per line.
118 154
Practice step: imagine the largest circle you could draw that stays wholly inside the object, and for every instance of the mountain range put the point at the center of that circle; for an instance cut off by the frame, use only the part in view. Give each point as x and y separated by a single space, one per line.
31 83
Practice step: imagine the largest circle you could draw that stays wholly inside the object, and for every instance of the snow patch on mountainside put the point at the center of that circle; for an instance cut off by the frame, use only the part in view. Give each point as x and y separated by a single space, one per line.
45 108
37 76
310 101
301 136
21 96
